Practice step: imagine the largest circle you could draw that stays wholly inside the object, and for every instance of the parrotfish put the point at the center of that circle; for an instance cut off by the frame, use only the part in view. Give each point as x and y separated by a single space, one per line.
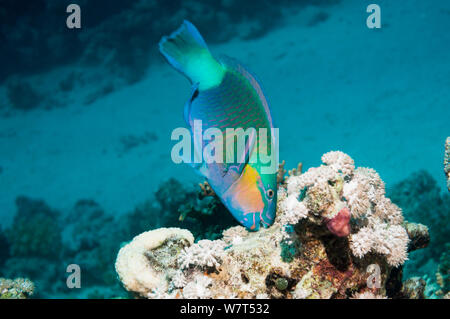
225 95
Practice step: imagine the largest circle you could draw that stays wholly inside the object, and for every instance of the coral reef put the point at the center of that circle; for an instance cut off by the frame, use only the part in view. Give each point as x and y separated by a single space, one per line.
35 230
440 288
19 288
334 221
41 242
35 244
413 288
447 162
333 228
423 201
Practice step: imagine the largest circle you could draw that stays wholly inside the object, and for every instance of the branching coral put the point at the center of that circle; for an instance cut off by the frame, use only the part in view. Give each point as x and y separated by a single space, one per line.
198 288
205 253
333 222
385 239
334 192
340 162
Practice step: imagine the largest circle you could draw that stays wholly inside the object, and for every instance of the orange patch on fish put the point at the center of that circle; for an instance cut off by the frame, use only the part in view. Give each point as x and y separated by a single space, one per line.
244 193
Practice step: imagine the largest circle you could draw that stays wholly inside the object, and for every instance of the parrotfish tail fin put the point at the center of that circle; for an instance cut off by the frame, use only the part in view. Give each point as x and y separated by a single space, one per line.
188 53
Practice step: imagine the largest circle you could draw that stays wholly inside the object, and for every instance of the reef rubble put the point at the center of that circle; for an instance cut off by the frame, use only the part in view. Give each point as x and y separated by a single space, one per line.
19 288
336 235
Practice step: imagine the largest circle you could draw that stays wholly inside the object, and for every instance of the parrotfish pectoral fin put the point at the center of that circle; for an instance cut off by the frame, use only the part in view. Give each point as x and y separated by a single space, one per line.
187 52
187 106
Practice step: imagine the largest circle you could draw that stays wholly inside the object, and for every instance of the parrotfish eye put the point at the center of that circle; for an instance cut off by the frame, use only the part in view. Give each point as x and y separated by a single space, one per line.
270 193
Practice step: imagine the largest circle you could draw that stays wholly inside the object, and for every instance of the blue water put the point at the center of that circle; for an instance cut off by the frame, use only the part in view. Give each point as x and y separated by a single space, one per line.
88 113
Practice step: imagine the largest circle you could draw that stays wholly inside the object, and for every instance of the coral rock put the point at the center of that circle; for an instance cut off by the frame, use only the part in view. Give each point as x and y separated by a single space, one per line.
413 288
418 235
143 264
19 288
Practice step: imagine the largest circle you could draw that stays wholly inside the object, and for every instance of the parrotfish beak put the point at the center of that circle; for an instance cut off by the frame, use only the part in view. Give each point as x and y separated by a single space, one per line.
250 201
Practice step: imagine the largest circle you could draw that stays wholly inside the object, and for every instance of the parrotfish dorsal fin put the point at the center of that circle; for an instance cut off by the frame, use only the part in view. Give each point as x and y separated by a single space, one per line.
236 66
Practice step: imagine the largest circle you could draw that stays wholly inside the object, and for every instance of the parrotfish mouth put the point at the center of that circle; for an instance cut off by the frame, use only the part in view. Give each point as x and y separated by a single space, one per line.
257 221
242 206
244 200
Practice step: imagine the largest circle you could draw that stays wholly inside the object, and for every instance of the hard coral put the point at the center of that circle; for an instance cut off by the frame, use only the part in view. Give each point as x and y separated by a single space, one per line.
144 263
205 253
312 213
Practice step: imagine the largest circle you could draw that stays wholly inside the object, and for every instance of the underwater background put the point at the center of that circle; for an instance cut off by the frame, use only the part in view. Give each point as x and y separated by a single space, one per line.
86 117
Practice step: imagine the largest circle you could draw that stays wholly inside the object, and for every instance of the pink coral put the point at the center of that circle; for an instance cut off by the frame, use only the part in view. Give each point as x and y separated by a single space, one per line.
340 224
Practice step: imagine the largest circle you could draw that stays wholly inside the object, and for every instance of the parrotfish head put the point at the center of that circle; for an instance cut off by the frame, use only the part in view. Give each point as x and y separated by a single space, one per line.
252 198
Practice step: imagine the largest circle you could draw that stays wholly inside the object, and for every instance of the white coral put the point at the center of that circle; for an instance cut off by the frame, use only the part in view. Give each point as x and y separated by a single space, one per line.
389 240
230 234
296 183
388 211
178 280
356 194
339 161
292 211
198 288
370 177
361 242
205 253
364 193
